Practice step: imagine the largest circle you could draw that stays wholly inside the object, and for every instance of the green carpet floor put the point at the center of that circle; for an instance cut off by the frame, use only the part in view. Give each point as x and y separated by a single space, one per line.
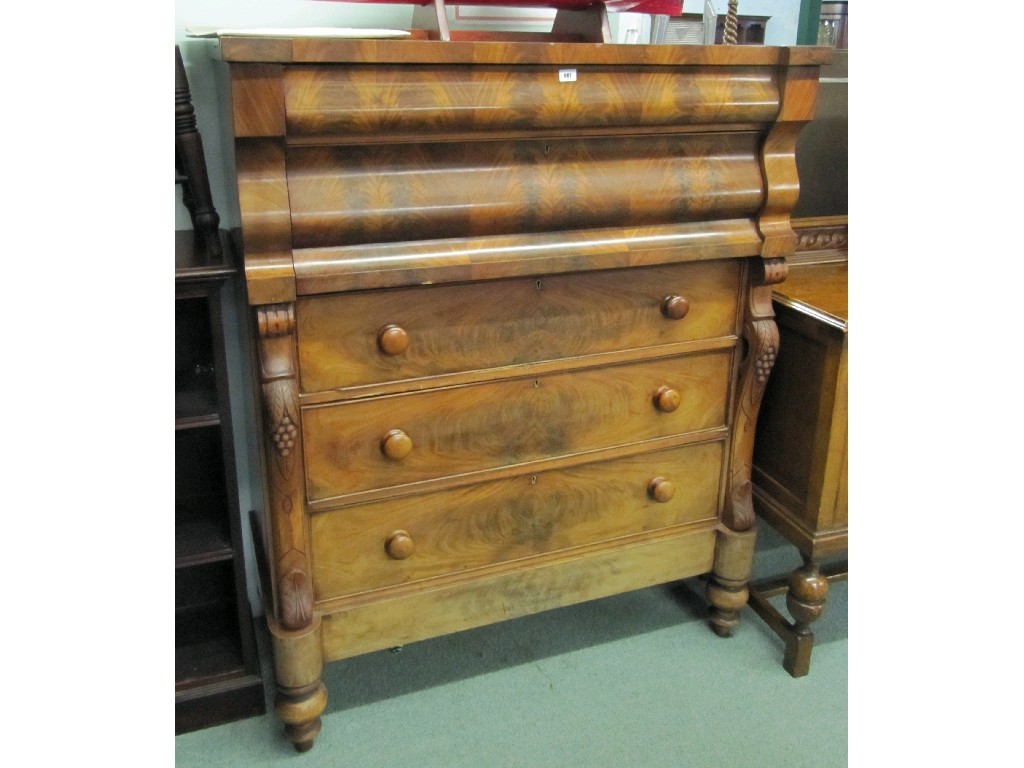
633 680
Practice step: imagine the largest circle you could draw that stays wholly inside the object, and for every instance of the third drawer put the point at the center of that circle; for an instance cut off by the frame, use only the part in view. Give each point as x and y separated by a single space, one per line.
395 541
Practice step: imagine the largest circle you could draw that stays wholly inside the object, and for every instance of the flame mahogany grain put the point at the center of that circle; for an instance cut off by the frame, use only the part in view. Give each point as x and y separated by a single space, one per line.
515 328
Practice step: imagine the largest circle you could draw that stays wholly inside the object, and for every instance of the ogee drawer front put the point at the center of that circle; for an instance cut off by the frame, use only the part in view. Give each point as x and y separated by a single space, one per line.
380 336
423 100
388 441
392 542
379 193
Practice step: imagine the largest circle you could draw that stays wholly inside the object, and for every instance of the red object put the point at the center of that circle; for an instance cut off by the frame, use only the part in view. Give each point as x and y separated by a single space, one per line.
667 7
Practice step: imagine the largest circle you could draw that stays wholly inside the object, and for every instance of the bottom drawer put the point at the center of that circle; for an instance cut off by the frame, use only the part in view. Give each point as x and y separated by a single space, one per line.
359 548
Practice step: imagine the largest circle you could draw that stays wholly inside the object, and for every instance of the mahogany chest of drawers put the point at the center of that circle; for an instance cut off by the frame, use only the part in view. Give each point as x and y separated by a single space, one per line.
513 325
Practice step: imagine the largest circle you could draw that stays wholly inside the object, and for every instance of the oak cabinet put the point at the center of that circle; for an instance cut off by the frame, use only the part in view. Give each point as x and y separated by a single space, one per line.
800 450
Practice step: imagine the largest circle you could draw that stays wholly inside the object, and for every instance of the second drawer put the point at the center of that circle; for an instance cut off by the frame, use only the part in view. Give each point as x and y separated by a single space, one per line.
396 440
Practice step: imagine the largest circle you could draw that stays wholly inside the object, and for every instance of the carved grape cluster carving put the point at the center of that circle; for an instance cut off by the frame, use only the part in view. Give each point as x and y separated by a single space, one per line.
284 435
764 363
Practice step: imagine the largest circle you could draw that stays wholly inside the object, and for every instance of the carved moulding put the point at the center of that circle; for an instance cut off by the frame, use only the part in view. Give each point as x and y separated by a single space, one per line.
798 88
761 337
293 591
821 239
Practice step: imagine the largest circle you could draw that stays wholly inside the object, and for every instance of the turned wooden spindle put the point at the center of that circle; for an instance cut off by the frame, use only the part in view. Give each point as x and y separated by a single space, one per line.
190 165
675 307
661 490
399 545
667 399
393 340
729 36
396 444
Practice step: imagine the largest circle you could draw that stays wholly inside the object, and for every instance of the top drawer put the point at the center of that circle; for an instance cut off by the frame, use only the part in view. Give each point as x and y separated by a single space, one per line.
348 340
383 101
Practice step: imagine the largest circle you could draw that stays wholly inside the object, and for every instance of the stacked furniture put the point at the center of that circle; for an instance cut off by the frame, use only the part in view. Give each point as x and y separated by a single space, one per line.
217 675
513 313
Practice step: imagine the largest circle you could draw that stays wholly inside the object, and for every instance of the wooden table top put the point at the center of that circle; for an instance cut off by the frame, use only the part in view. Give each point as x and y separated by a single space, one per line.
241 48
821 286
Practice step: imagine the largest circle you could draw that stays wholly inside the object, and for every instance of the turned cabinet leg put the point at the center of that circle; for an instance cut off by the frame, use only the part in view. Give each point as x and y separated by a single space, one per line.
301 694
300 709
727 591
805 599
806 591
726 600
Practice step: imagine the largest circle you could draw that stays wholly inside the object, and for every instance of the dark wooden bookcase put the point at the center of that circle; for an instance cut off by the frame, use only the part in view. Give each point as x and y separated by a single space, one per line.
217 673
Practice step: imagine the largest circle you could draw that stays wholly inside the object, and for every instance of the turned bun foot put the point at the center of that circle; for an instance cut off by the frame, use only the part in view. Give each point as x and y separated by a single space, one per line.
302 736
726 603
727 591
300 709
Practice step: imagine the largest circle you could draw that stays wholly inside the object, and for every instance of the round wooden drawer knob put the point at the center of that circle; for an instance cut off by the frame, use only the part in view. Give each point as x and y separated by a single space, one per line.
661 490
399 545
675 307
392 340
667 399
396 444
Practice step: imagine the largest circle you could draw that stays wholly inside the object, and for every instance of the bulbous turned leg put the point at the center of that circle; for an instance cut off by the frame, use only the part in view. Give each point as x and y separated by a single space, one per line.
727 591
808 591
300 709
301 694
726 601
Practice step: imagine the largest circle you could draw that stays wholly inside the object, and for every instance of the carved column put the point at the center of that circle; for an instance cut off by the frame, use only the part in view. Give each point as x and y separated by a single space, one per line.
734 555
295 627
761 343
734 551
